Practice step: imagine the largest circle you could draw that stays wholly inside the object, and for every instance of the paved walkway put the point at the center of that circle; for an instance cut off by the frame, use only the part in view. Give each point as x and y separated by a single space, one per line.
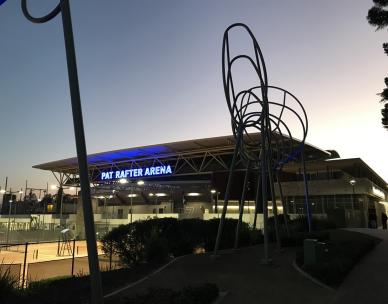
368 281
242 275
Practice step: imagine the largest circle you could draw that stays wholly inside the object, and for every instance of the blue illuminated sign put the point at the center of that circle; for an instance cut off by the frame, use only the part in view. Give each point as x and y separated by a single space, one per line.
138 172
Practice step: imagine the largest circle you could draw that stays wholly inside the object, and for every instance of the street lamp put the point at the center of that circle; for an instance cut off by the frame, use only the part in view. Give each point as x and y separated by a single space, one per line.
9 210
213 191
105 213
352 182
132 195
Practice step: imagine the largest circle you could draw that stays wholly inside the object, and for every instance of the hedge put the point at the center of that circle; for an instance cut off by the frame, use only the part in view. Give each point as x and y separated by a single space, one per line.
203 294
156 240
344 250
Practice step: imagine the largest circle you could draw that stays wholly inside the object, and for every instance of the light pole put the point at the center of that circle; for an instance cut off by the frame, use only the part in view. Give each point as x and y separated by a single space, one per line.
9 210
132 195
9 220
105 213
2 191
14 215
213 191
352 182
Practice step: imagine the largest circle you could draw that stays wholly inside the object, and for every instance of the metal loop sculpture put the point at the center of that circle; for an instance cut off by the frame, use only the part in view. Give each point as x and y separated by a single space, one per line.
271 111
64 8
43 19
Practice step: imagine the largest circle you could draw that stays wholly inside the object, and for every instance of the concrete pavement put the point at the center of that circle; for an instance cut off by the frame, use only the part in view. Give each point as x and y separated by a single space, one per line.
368 281
242 275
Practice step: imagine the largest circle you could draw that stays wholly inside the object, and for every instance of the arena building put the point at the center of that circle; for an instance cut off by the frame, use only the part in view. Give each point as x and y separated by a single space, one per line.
187 179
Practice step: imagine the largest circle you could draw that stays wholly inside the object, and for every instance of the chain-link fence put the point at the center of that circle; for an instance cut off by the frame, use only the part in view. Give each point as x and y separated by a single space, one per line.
31 262
31 236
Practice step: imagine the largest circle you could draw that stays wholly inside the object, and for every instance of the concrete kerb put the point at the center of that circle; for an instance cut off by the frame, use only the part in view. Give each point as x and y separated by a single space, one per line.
309 277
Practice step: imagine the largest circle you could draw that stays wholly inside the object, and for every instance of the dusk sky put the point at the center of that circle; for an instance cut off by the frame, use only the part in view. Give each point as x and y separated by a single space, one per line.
150 72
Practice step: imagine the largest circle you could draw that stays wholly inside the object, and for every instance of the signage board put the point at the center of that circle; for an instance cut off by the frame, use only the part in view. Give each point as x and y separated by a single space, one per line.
136 173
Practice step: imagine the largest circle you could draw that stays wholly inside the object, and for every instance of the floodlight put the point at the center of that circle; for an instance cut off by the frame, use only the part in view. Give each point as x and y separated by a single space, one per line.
193 194
160 194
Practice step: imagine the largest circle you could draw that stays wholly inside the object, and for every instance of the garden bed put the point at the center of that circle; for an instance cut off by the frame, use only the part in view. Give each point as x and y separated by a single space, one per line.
77 289
203 294
344 250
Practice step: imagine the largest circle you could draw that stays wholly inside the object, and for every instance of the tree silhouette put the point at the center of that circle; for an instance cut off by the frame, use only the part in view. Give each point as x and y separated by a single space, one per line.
378 17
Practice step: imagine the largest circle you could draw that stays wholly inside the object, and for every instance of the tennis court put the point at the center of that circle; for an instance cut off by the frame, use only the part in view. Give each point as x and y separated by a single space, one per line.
49 260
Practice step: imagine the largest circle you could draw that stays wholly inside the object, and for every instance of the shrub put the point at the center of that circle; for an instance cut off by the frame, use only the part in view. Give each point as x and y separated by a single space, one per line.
8 283
156 239
345 249
186 235
156 248
300 224
228 234
296 240
204 294
127 241
56 290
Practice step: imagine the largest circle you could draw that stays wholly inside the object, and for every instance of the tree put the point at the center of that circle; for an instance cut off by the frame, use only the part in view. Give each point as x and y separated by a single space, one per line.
378 17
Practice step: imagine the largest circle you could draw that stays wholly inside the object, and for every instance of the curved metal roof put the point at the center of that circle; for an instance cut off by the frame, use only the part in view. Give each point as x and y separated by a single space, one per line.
221 144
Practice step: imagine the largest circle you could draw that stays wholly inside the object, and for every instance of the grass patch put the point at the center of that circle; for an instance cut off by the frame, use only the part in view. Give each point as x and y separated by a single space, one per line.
344 250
